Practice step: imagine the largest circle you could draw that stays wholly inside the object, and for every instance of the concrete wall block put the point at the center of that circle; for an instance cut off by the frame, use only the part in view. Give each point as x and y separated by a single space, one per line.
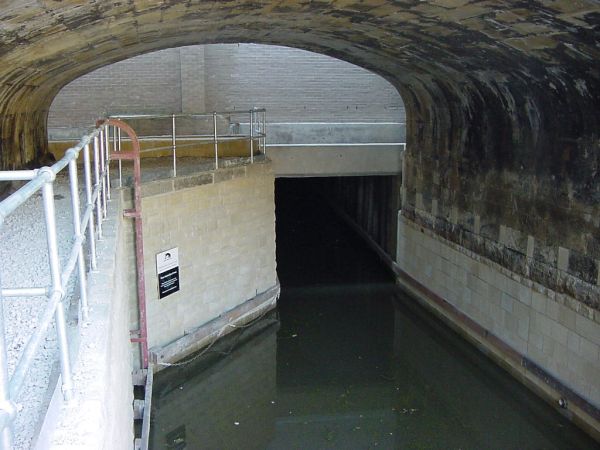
536 341
588 329
157 188
573 342
507 302
566 317
552 310
227 238
539 301
590 352
541 323
512 287
548 347
559 333
525 294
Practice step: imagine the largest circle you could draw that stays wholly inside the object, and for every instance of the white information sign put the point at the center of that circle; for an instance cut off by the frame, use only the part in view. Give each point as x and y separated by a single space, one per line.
167 269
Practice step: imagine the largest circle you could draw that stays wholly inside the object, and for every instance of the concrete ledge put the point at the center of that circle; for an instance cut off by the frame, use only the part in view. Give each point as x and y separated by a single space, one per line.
208 333
228 170
332 132
100 415
338 160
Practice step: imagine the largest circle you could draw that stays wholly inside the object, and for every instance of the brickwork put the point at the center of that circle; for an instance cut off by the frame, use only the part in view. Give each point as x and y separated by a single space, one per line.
192 79
294 85
146 83
534 320
224 227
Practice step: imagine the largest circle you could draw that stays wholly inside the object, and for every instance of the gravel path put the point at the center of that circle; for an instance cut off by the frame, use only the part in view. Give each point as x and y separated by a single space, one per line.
24 262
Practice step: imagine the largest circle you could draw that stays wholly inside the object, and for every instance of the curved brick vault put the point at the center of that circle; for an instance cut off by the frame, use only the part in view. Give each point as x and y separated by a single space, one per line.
501 95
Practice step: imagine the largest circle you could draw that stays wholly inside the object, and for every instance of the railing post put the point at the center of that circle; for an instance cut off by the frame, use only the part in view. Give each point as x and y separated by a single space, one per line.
97 185
264 130
6 406
251 136
59 314
102 182
174 149
87 171
216 142
120 166
107 168
77 231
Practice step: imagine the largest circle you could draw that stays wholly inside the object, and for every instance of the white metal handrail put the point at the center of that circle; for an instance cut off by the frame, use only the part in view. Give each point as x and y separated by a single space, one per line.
96 150
257 131
90 221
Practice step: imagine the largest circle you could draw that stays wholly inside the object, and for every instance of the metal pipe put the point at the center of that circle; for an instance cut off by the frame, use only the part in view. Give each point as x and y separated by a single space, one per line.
96 186
83 302
114 136
34 342
25 292
16 199
85 218
174 148
136 213
107 169
101 180
215 140
251 136
71 261
89 206
5 402
59 313
164 116
265 132
120 162
17 175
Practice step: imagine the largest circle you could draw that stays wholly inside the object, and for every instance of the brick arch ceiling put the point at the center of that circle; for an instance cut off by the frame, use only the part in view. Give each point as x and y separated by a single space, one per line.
488 84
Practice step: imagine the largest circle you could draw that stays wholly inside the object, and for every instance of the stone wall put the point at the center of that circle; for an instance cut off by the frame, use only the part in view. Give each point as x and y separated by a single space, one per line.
223 223
547 337
294 85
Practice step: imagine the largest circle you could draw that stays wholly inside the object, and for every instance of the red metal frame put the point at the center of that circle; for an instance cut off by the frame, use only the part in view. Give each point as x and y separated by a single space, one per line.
140 336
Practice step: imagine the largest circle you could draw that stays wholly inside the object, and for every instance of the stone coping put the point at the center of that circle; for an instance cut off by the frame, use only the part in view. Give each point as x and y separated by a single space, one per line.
158 179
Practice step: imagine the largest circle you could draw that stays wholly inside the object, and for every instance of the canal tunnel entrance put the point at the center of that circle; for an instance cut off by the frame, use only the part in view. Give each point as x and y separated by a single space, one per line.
346 361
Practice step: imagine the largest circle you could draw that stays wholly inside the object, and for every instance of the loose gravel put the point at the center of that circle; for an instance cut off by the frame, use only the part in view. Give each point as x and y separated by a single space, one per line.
24 263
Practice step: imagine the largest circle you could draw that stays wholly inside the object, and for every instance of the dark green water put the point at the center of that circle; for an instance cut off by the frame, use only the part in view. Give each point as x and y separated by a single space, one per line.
346 362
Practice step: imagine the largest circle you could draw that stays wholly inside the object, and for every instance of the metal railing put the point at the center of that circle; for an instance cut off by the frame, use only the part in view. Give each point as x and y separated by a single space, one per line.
94 147
210 128
97 156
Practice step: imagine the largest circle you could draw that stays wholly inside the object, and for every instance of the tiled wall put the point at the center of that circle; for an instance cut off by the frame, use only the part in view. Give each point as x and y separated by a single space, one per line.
224 226
540 324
